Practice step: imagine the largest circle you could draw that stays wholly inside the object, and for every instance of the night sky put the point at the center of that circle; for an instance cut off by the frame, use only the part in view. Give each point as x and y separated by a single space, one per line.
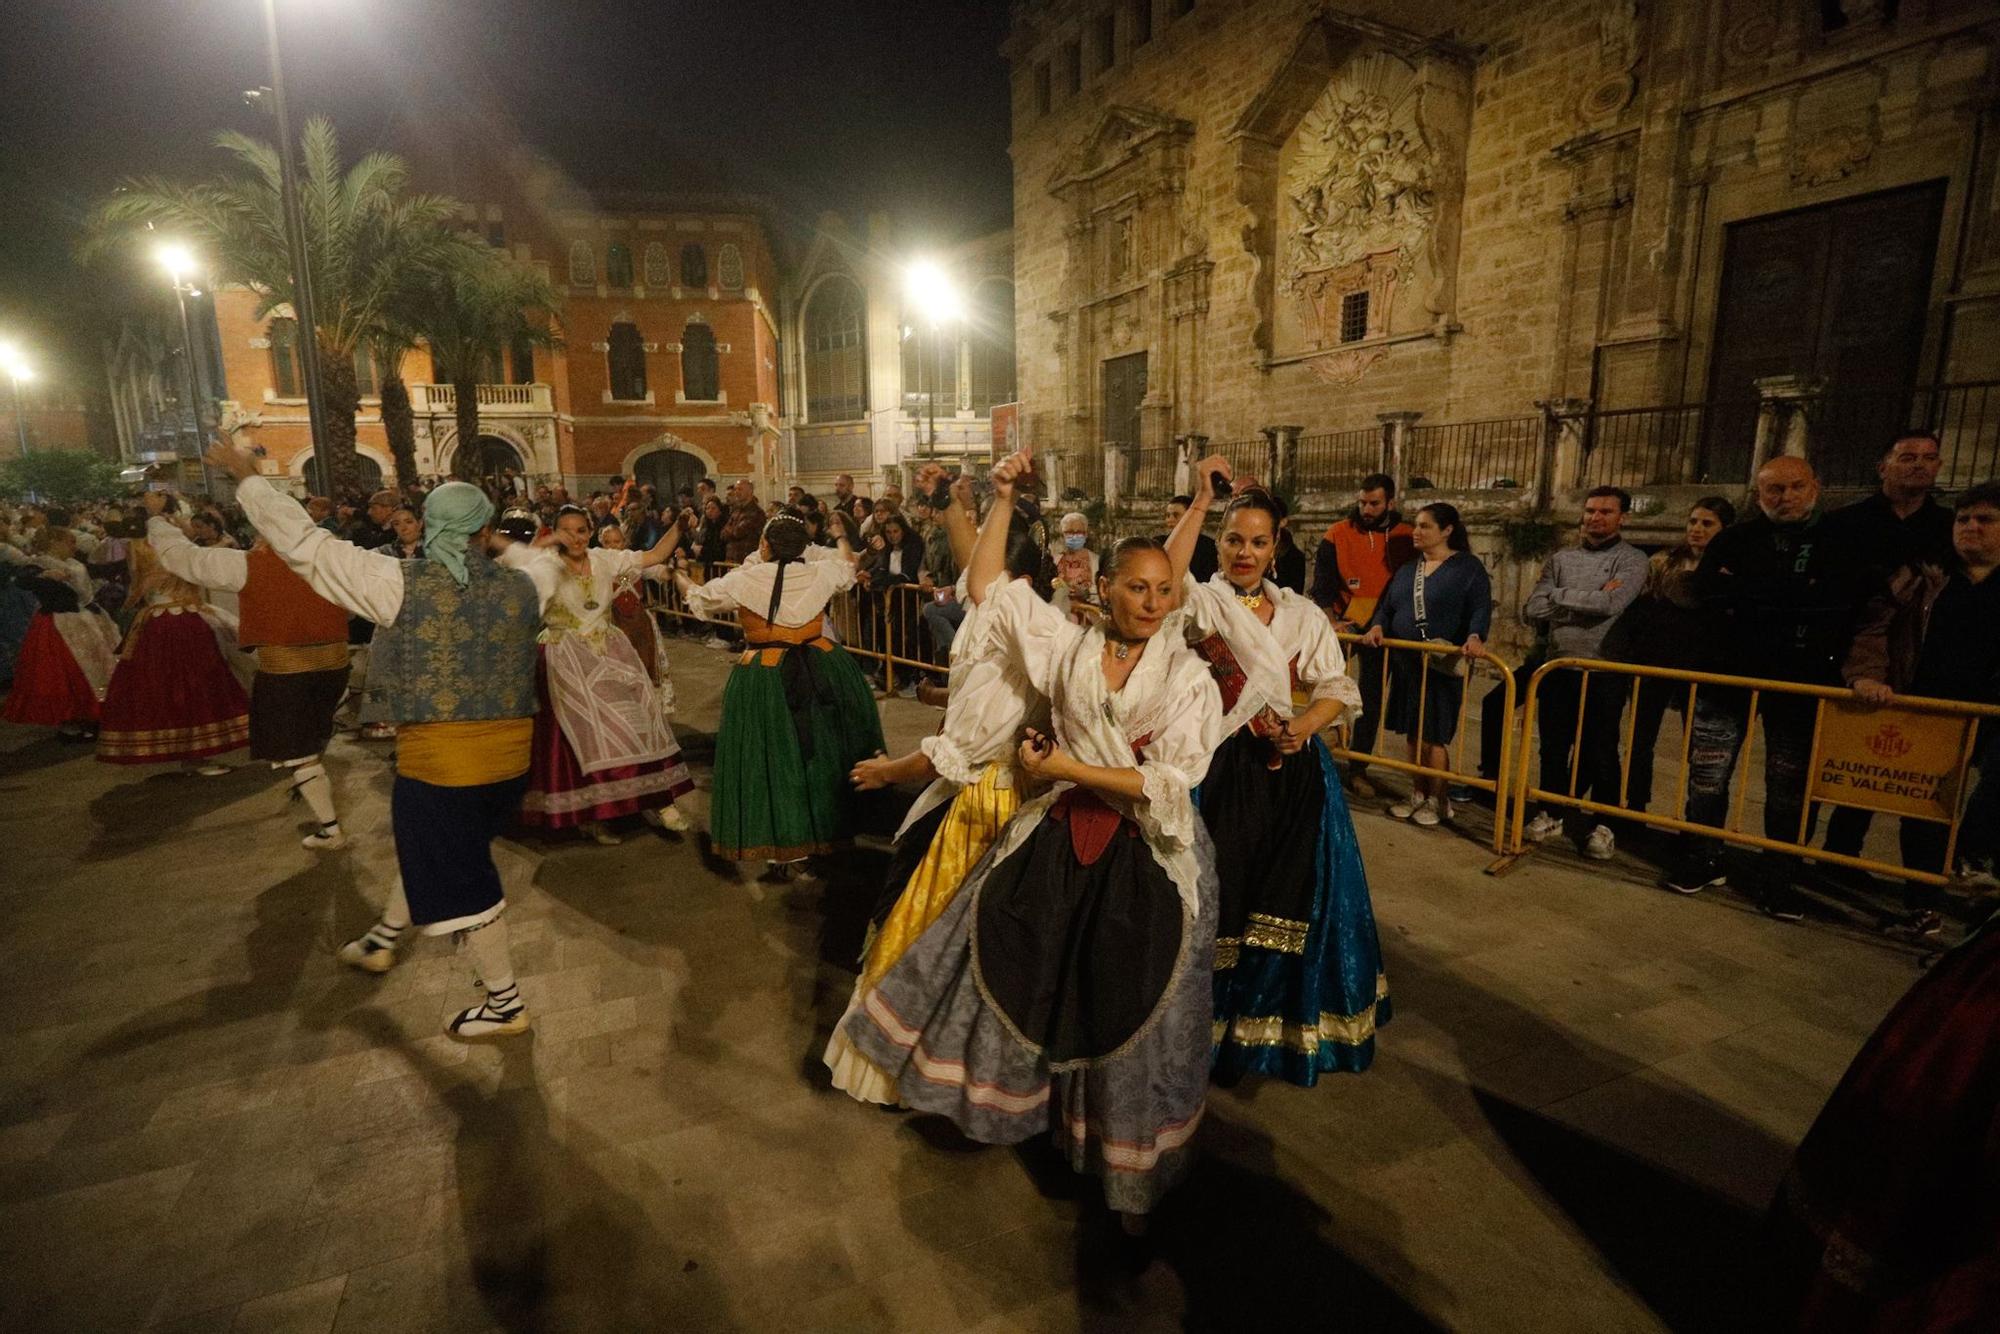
852 105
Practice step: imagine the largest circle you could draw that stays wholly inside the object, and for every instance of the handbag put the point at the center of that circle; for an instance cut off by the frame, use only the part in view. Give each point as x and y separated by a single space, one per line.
1454 665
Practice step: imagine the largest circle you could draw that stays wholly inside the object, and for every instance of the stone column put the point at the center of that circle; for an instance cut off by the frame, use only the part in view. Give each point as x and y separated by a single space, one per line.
1395 445
1563 423
1782 427
1114 473
1268 473
1285 463
1193 448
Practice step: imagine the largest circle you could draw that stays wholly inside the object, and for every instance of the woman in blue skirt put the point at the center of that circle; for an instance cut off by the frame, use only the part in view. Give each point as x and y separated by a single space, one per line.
1299 987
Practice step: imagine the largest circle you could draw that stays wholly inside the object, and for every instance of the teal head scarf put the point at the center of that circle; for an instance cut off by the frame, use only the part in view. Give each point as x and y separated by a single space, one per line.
452 514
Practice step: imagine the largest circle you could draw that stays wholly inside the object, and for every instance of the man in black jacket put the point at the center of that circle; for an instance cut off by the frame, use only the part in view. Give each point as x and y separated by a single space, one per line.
1783 592
1205 562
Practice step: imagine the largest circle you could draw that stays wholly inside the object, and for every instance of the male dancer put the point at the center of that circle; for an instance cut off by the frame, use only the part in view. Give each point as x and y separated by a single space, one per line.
301 644
453 665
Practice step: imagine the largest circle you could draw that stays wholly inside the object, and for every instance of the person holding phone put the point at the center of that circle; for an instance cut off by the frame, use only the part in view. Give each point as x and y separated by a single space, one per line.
1065 989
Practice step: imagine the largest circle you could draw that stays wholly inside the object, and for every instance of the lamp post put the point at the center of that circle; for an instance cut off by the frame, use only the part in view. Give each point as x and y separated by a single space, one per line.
295 244
930 289
178 261
18 370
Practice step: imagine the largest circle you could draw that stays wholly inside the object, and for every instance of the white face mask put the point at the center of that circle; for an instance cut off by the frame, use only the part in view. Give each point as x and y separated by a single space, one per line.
1075 541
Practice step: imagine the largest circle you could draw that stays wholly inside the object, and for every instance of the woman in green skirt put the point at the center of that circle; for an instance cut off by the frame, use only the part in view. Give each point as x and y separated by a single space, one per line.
797 714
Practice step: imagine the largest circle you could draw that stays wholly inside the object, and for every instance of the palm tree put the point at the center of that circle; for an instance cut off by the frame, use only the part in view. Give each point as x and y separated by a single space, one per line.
471 312
399 420
365 233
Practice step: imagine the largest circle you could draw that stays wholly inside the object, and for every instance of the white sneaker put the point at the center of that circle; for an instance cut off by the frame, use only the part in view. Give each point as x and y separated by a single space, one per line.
328 839
1428 813
667 817
1600 845
1544 827
379 732
602 834
715 641
1407 807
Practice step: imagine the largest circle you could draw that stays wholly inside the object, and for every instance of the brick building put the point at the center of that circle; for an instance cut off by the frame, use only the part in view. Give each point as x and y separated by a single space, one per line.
668 361
1513 248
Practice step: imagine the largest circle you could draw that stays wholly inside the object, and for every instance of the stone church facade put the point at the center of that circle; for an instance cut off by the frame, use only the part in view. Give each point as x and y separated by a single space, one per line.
1587 240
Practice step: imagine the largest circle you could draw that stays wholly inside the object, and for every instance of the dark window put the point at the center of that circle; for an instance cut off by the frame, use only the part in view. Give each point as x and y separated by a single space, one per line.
367 378
836 359
1140 23
990 335
618 265
701 369
1107 40
582 264
1353 317
694 266
286 375
522 355
628 363
496 235
1072 69
930 370
1044 91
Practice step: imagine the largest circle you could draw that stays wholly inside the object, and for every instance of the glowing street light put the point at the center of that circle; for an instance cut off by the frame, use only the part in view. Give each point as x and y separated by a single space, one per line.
932 293
15 363
175 258
180 263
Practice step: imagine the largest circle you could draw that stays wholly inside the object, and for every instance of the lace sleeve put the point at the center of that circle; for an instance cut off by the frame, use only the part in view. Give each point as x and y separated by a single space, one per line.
1177 757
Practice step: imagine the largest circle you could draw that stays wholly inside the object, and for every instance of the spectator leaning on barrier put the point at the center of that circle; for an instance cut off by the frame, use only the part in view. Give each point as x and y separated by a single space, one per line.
1932 634
1781 592
745 525
1076 564
1442 595
1899 525
1582 591
1204 563
1665 627
1351 568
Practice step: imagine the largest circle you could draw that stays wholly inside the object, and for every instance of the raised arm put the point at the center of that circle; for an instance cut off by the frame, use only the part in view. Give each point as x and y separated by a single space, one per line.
1181 542
989 553
960 521
210 567
662 551
367 583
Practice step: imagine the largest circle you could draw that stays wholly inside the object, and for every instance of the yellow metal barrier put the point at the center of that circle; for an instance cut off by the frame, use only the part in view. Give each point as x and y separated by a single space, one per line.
1526 791
1457 772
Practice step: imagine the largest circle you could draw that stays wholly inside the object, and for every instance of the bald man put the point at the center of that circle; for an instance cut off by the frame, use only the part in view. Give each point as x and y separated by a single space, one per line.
1781 600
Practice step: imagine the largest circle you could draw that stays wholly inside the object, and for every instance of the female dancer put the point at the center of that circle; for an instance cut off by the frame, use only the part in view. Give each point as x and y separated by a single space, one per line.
1299 988
602 745
1065 989
177 693
974 791
797 714
71 647
629 614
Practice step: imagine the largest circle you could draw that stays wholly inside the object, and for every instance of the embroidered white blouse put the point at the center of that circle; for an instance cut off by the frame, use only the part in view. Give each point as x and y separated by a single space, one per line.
1299 633
809 585
1165 721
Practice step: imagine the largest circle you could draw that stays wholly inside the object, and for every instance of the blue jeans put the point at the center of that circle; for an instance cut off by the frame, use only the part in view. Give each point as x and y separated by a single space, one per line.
942 619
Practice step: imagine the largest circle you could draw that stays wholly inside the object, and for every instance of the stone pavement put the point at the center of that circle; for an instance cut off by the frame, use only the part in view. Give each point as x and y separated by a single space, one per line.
1587 1096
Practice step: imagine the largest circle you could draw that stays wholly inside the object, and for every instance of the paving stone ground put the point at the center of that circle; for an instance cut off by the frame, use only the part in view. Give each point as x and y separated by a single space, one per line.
1586 1098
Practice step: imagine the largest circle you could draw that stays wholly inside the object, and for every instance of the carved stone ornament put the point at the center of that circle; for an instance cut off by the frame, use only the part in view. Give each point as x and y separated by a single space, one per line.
1831 155
1608 96
1346 367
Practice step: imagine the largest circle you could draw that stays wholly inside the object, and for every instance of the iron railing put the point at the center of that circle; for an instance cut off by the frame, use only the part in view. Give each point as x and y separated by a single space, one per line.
1502 453
1337 460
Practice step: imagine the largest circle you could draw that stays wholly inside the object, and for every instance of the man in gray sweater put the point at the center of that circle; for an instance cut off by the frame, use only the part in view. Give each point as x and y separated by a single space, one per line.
1583 589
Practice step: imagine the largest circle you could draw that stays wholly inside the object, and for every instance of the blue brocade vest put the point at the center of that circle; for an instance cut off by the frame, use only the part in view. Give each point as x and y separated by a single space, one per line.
456 654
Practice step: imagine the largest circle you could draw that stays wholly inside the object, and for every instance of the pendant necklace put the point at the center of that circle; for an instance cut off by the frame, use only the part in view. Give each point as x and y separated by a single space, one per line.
589 583
1251 601
1121 649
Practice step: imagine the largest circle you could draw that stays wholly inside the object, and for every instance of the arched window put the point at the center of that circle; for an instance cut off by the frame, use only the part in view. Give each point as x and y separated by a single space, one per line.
836 353
990 340
287 376
618 265
627 356
694 265
930 369
657 272
521 361
582 264
729 267
701 369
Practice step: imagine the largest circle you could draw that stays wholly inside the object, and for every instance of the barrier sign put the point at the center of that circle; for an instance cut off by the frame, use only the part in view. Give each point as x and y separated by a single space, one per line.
1889 759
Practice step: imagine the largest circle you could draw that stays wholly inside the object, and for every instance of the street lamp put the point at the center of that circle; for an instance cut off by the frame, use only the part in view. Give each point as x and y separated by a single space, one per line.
295 245
16 365
179 262
932 293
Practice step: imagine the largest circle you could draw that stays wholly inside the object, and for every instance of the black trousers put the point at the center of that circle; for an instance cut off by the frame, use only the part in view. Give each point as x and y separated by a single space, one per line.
1370 722
1595 738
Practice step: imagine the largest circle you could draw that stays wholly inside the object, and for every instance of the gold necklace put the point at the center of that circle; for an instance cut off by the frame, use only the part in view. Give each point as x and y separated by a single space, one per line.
589 581
1251 601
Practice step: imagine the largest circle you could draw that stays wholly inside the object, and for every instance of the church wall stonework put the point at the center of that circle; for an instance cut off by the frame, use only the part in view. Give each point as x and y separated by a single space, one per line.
1531 195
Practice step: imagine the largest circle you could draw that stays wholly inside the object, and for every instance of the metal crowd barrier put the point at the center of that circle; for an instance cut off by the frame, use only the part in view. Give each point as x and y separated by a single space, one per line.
1457 772
1952 787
